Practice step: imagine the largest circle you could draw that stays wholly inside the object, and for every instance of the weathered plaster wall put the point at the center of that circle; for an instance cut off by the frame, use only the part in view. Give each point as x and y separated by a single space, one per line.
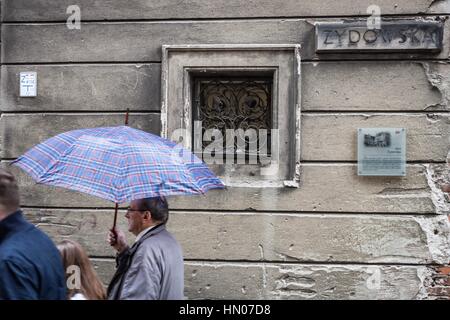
338 236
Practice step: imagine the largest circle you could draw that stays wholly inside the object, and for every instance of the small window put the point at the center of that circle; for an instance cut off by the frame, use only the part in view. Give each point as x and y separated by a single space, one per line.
241 105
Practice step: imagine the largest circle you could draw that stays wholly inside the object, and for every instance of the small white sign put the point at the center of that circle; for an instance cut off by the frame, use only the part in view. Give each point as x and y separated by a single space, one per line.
28 84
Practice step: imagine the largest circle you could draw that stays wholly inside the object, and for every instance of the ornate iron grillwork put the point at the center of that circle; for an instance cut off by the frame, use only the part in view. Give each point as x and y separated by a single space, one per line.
235 103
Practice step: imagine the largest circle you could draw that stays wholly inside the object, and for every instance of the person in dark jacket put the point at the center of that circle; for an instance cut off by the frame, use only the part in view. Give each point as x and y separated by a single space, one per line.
30 264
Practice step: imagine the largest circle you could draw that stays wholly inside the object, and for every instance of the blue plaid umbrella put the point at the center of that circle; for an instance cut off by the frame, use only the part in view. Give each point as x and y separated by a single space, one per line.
119 164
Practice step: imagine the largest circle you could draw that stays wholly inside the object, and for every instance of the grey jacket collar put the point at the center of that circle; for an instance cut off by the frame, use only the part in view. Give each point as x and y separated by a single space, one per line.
157 229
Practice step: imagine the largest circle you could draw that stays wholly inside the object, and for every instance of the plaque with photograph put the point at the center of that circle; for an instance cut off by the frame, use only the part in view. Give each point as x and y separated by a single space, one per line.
381 152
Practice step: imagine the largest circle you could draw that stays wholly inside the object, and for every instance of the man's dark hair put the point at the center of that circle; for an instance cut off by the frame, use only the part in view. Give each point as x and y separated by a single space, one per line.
9 192
157 206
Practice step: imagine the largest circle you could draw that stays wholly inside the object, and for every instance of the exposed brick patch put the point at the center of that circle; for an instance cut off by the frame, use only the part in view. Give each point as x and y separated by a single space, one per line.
439 287
445 188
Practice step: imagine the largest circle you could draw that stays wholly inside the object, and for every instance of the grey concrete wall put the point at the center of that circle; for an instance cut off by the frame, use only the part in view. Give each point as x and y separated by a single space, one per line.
141 42
324 240
48 10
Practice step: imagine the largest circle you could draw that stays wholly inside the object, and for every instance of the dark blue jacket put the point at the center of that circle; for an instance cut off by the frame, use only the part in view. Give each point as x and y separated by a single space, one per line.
30 264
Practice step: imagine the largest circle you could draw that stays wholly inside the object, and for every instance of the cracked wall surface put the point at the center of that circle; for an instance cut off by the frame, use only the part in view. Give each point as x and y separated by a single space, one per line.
442 6
437 76
337 236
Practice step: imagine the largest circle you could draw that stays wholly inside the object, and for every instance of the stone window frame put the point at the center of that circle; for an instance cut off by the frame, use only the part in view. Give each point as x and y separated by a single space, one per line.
173 88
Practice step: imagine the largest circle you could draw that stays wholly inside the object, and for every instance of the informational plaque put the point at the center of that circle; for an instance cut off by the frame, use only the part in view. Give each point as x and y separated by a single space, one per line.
381 152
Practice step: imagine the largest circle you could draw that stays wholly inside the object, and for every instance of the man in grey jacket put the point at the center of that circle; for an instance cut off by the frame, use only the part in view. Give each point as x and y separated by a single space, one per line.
152 268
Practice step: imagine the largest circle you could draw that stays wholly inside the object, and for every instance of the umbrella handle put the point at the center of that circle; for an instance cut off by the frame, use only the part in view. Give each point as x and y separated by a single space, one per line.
115 216
113 230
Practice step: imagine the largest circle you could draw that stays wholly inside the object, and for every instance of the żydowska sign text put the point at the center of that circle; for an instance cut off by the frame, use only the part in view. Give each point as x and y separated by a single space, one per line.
392 36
